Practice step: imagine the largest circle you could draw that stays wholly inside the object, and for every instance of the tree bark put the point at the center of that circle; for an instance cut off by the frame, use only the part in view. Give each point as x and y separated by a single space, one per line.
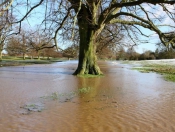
38 53
0 55
1 49
24 56
87 52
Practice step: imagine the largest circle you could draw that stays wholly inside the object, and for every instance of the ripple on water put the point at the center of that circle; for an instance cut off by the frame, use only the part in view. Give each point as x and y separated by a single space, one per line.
123 100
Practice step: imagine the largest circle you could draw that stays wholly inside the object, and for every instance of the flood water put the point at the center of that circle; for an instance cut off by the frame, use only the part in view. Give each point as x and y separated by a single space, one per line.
124 100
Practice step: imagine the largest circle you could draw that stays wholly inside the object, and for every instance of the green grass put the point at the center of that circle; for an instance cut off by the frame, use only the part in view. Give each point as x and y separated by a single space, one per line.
55 96
30 105
33 107
84 90
126 62
141 69
70 95
168 71
17 61
169 77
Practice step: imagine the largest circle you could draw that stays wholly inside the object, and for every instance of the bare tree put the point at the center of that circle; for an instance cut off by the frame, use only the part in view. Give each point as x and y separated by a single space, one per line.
91 17
166 52
39 41
50 52
5 5
5 22
18 45
71 52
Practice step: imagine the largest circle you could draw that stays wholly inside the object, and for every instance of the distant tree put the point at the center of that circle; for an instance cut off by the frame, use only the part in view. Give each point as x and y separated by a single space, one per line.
106 53
5 22
121 54
18 46
165 52
50 52
39 41
131 54
147 55
157 53
71 52
152 56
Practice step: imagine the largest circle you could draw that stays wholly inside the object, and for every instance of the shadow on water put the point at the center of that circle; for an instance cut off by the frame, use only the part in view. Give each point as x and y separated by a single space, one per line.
122 100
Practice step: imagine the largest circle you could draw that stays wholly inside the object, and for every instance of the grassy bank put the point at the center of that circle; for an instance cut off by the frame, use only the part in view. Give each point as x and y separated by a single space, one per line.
168 71
17 61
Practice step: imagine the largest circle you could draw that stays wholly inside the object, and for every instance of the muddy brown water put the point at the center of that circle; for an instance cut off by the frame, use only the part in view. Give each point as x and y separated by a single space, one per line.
124 100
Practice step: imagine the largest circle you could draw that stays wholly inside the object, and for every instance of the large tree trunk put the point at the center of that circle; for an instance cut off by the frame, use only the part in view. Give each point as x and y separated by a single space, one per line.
38 53
0 55
1 49
87 52
24 57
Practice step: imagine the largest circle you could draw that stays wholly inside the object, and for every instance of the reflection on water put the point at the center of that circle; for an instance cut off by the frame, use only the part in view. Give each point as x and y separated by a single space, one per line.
123 100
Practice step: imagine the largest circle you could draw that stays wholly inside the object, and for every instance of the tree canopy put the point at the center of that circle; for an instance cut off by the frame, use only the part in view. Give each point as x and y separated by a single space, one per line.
63 19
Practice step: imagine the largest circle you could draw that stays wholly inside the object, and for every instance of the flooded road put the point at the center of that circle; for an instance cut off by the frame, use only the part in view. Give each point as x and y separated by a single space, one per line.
123 100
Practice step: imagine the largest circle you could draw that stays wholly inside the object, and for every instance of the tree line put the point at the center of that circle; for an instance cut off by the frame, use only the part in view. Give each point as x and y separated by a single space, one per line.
34 46
159 53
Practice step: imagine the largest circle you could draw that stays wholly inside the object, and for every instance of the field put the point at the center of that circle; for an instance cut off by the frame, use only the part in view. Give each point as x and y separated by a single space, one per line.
164 67
18 61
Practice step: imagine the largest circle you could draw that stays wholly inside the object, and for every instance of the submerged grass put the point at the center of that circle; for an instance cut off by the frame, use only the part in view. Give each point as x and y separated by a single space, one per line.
90 76
83 90
86 95
168 71
55 96
70 95
34 107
